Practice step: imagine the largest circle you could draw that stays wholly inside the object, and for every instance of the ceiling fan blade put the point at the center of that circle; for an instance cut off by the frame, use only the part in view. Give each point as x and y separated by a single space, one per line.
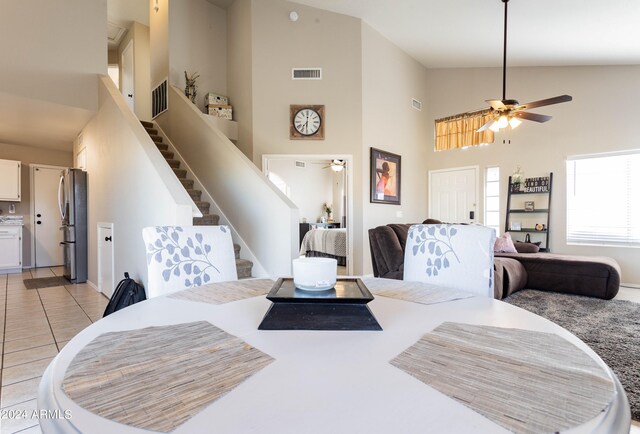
532 116
485 126
496 104
543 102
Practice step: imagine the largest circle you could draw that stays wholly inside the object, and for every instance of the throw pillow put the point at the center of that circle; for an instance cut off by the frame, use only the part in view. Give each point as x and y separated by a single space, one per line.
504 244
527 247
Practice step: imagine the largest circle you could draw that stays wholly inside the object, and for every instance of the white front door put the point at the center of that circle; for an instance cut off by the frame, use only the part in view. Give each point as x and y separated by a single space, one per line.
453 195
105 259
46 220
127 75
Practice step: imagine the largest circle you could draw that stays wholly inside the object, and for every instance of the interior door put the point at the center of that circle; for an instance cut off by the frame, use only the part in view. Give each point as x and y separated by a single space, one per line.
127 75
105 259
46 217
453 195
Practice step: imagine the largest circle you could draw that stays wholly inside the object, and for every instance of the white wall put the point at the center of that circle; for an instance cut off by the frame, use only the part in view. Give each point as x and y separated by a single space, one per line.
198 43
390 79
309 187
159 41
240 70
52 50
279 45
139 34
599 119
260 214
130 184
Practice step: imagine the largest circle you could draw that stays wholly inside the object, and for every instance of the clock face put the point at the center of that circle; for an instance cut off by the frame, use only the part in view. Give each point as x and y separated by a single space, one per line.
307 121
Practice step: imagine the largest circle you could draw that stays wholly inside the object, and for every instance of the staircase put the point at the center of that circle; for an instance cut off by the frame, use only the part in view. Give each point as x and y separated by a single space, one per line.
243 266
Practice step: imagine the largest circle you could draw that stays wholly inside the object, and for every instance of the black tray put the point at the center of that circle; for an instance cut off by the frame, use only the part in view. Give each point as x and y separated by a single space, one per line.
343 307
352 291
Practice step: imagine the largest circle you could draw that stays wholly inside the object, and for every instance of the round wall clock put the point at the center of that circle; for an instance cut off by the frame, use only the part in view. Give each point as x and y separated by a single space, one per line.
306 122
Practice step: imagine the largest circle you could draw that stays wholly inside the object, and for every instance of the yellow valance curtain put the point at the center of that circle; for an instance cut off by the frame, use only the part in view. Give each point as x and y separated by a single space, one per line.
461 130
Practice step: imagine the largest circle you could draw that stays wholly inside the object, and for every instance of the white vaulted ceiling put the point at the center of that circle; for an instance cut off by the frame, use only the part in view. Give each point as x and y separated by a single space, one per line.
468 33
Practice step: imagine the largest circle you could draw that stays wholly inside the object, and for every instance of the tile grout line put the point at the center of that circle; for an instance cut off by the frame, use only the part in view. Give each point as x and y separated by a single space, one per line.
79 305
47 317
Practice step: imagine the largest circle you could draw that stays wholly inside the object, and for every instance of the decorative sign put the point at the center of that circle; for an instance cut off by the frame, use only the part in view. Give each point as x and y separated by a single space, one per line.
536 185
529 206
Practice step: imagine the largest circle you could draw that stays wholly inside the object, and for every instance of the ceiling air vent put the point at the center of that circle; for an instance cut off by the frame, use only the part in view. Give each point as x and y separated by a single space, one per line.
306 73
301 164
114 34
416 104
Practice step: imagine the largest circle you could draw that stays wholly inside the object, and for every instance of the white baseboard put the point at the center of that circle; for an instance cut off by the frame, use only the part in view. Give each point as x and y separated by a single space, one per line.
630 285
93 285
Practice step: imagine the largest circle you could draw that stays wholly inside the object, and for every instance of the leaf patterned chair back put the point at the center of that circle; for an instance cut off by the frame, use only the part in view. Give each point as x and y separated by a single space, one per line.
451 256
180 257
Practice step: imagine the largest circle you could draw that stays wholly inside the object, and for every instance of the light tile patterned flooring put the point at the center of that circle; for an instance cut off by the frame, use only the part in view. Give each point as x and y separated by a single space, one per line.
34 325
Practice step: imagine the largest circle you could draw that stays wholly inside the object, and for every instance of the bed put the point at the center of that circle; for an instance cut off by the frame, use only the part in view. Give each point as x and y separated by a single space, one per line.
326 243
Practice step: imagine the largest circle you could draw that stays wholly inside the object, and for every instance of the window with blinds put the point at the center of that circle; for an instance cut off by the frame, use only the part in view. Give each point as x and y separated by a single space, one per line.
603 199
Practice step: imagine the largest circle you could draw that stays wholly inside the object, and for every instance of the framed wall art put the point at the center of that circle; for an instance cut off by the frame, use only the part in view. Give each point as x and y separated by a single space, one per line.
385 177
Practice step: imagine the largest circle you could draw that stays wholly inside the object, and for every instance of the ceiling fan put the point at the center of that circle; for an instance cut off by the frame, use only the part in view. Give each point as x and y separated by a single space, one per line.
335 164
508 112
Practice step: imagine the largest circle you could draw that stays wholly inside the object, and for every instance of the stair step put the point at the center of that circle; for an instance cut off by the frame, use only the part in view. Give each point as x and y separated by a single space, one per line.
203 206
236 250
196 195
206 220
187 183
243 267
173 163
147 124
162 146
167 154
157 139
180 173
151 131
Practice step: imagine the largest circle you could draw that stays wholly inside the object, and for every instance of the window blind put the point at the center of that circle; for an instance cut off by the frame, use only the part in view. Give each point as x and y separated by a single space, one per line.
603 199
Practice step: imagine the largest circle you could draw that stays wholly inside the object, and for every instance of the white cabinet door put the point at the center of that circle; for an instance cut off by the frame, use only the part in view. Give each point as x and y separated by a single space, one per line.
10 247
10 180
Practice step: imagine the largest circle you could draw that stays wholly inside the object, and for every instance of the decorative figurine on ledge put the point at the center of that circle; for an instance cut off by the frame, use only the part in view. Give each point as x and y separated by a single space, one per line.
191 89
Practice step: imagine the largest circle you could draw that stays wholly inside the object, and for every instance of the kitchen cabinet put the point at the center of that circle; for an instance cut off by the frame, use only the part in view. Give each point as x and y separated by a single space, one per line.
10 180
10 248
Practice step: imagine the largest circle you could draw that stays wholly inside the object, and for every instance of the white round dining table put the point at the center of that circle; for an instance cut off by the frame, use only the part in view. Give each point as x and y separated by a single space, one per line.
320 381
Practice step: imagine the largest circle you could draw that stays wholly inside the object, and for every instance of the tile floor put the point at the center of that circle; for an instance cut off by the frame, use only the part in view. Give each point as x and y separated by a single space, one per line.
35 324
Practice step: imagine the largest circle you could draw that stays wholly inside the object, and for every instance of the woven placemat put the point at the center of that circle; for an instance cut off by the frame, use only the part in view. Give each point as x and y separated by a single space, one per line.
226 292
416 292
156 378
525 381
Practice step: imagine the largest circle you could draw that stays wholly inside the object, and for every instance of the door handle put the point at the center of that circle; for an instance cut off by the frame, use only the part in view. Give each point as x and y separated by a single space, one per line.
108 239
130 95
38 215
39 222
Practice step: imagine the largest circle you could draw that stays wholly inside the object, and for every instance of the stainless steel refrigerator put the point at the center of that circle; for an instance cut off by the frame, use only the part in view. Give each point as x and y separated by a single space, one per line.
72 202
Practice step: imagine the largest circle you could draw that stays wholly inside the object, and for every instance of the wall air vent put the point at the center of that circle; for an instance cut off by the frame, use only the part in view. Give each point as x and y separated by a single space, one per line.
159 99
416 104
306 73
301 164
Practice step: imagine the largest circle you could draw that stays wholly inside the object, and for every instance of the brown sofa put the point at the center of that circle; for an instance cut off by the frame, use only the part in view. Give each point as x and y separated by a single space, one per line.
582 275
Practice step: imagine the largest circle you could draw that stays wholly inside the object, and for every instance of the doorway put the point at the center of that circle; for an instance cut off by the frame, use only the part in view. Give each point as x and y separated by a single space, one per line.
128 75
311 181
453 194
105 259
45 215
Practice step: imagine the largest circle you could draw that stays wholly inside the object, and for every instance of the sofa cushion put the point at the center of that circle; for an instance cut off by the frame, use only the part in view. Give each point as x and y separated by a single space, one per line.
593 276
511 277
526 247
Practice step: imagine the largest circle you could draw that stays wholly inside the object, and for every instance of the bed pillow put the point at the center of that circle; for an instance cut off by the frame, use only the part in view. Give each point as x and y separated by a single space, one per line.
504 244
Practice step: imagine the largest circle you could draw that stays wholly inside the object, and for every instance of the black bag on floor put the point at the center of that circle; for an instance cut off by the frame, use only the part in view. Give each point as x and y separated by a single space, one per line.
127 292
